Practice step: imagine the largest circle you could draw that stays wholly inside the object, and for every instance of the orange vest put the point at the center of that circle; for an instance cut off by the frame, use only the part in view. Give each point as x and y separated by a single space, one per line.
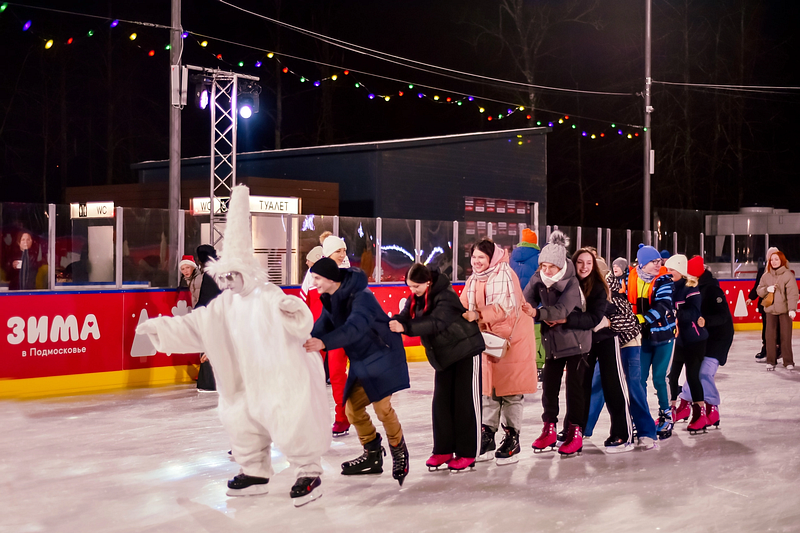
633 287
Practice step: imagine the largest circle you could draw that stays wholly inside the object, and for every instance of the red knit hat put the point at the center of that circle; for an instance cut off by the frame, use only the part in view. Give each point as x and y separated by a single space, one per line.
187 260
695 266
529 236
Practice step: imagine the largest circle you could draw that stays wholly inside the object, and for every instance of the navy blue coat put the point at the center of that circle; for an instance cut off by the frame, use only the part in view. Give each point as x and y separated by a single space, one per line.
524 262
352 319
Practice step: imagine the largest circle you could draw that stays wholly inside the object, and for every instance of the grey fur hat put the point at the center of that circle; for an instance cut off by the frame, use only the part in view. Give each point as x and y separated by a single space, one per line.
621 262
555 252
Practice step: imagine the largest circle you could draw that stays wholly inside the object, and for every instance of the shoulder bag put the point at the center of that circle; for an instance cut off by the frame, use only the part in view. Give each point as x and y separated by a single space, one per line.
497 346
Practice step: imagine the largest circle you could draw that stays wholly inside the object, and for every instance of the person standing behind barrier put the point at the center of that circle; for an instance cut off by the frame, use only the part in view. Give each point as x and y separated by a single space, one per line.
335 248
453 346
552 294
649 292
690 344
779 282
493 298
761 356
191 278
208 291
719 324
23 265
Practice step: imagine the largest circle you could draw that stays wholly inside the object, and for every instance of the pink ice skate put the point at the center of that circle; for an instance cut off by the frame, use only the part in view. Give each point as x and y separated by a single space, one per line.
712 414
574 442
438 460
459 464
547 439
340 429
699 422
682 412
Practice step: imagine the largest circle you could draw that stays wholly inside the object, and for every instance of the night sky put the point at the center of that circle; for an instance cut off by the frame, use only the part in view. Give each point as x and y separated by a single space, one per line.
82 113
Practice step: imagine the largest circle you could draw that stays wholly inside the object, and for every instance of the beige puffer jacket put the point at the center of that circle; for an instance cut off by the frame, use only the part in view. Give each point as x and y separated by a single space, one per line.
786 293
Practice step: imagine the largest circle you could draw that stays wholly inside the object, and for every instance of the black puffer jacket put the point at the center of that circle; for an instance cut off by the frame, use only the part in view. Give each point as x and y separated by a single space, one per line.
445 334
719 322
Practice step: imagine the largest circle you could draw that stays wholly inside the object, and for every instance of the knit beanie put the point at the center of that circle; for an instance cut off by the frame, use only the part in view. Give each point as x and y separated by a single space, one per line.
327 268
620 262
695 267
187 260
332 244
646 254
665 254
315 254
205 252
770 251
555 252
529 236
677 263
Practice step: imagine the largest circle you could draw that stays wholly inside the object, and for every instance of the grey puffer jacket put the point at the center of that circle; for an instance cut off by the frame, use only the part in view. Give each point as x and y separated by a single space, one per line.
556 303
786 293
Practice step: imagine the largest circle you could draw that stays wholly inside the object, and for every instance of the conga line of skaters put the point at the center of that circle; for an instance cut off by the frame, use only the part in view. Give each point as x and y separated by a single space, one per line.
604 331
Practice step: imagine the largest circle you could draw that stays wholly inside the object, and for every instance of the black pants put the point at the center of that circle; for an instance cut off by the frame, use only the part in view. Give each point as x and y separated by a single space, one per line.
606 353
457 408
205 377
551 385
692 356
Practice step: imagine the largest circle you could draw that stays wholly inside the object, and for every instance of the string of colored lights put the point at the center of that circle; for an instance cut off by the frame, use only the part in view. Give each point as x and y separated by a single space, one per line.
458 98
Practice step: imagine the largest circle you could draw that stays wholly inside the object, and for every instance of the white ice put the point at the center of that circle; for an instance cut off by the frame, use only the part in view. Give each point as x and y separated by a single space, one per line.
155 460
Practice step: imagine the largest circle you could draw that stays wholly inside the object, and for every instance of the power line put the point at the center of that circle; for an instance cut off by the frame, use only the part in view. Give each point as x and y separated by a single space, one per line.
769 89
136 22
398 60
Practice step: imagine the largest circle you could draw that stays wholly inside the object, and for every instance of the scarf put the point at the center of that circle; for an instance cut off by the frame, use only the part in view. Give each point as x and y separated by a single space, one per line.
499 288
647 278
549 282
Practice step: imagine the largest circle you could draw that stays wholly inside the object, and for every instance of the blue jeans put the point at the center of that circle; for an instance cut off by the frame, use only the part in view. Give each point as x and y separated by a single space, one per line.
659 358
707 372
640 412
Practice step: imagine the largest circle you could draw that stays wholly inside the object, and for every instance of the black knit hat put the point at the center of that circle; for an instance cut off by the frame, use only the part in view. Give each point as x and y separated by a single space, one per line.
206 252
327 268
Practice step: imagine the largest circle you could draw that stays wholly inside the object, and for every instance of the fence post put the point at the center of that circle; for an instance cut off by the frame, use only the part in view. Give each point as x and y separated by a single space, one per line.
733 254
51 247
535 212
628 246
287 271
118 246
378 241
547 239
417 240
600 242
578 234
489 229
336 225
456 252
766 248
608 246
674 242
703 246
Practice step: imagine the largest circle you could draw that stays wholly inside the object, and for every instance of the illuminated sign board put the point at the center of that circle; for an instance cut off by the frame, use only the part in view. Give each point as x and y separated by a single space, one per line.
92 210
258 204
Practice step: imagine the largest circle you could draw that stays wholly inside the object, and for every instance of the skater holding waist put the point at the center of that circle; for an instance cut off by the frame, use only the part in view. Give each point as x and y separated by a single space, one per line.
493 296
352 319
453 347
649 291
552 294
690 345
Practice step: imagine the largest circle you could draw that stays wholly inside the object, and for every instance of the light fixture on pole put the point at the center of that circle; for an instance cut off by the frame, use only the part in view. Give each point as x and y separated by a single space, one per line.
248 98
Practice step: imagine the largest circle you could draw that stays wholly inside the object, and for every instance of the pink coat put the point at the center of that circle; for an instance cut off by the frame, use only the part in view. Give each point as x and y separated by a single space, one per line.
516 372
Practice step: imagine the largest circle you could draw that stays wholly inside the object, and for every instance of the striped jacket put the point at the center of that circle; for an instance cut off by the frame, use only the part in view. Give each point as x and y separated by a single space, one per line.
656 308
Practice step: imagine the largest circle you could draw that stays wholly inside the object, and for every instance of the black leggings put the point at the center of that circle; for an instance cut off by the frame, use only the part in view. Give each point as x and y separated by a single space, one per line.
692 355
551 385
457 408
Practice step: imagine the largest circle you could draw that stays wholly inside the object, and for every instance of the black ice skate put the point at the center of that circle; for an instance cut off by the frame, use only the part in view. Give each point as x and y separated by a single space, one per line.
664 425
508 453
399 461
487 443
306 490
370 462
617 445
244 485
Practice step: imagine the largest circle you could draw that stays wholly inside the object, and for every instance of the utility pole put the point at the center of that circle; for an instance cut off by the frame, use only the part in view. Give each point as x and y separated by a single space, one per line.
648 81
176 44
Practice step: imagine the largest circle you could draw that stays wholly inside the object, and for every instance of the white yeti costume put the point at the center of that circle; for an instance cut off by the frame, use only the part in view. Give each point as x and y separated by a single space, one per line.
270 388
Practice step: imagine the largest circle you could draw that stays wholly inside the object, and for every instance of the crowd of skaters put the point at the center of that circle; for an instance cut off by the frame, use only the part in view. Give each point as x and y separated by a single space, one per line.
608 332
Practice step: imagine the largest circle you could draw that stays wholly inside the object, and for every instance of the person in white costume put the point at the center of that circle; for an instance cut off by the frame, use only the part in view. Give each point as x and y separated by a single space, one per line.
270 388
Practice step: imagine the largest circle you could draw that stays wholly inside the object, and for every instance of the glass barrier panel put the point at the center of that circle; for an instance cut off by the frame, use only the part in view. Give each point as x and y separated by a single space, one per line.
619 245
85 250
24 235
588 239
571 232
360 237
193 232
717 255
398 238
689 244
436 242
467 236
145 247
788 244
749 251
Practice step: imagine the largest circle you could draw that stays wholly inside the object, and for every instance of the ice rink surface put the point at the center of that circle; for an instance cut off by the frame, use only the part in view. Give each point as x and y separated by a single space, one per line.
155 460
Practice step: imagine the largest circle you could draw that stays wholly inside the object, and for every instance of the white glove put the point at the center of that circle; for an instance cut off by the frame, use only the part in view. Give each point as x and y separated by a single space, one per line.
603 324
792 314
771 288
146 328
